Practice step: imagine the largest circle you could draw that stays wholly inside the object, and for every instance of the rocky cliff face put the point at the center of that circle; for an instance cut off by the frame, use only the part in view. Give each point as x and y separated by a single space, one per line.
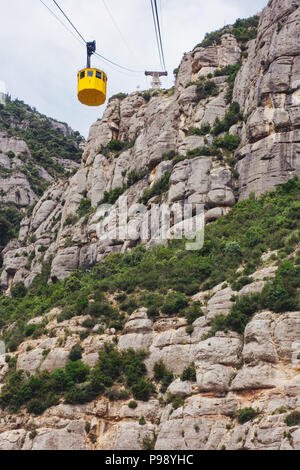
156 129
182 137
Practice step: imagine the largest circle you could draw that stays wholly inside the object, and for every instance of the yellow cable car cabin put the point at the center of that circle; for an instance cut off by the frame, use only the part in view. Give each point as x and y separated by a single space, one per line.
91 87
91 82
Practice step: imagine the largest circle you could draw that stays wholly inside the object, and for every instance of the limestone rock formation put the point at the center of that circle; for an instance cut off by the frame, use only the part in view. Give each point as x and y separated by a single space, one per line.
159 147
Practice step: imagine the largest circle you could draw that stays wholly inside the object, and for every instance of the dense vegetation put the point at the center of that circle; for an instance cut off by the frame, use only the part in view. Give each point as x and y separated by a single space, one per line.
10 219
158 188
242 29
133 176
115 147
163 280
77 383
143 277
45 142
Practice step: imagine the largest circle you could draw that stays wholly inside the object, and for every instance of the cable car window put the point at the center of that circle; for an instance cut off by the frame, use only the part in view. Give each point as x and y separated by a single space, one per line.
90 73
98 74
82 74
104 78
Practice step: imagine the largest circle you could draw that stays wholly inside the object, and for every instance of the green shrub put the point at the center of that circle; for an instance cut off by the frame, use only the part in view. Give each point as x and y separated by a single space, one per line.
229 142
10 219
169 155
189 329
176 400
193 312
18 290
77 371
119 96
132 404
189 373
242 312
29 330
133 176
142 421
174 303
161 374
206 88
158 188
115 145
36 406
241 282
246 414
232 116
110 197
149 443
203 130
81 305
242 29
76 353
89 323
84 208
142 390
293 419
278 298
71 219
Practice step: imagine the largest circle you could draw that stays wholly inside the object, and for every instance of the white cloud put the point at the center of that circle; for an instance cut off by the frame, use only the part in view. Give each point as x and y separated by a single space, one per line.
39 59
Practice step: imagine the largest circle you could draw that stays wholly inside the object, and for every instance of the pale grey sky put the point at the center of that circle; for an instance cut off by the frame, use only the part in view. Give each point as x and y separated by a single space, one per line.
39 59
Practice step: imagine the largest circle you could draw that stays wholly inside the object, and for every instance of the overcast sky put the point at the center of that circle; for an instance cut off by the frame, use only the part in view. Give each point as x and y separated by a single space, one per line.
39 59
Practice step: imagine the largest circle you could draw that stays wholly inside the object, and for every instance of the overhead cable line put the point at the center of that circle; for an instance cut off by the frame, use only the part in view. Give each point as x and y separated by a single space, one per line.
62 23
156 34
117 27
114 63
96 54
159 34
69 20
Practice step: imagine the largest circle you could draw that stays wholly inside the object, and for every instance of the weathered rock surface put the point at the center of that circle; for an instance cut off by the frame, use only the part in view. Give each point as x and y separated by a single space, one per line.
259 369
267 88
262 373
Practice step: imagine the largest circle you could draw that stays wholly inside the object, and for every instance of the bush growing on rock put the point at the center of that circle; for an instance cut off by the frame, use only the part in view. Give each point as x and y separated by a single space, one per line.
142 389
161 374
77 383
242 29
85 207
246 414
229 142
281 294
77 371
18 290
174 303
292 419
75 353
232 116
193 312
10 219
158 188
202 130
189 373
206 88
132 404
241 282
176 400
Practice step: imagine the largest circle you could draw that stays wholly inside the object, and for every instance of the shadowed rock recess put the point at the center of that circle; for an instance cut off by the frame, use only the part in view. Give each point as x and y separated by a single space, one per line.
131 344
